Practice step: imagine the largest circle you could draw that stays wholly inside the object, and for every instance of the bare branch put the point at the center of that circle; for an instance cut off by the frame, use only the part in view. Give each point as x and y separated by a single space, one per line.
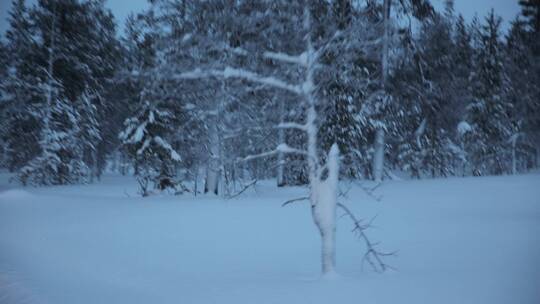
250 184
370 191
373 256
304 198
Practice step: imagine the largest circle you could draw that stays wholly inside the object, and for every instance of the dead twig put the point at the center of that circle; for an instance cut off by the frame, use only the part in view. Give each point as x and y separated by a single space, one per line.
370 191
304 198
244 188
373 256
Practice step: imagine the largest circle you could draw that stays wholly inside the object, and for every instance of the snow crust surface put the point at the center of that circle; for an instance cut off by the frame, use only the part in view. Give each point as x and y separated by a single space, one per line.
459 240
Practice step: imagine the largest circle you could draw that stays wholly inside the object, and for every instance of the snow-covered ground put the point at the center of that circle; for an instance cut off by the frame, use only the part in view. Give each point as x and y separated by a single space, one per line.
471 240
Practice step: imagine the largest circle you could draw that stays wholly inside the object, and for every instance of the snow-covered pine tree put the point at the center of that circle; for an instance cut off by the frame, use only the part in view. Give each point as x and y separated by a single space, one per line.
137 56
59 159
437 101
185 35
61 49
523 94
407 90
19 109
89 129
522 54
99 56
488 113
350 68
3 69
146 140
3 99
382 112
462 56
530 10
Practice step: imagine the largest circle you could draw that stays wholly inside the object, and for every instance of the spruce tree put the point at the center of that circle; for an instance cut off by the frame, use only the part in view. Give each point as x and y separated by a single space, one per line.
528 36
146 140
90 130
21 92
488 113
62 49
59 161
344 90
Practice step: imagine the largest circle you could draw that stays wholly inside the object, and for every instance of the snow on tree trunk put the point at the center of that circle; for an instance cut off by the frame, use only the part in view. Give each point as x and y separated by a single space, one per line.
323 195
324 212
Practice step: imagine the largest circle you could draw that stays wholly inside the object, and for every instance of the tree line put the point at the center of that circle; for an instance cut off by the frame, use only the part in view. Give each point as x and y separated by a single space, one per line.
209 96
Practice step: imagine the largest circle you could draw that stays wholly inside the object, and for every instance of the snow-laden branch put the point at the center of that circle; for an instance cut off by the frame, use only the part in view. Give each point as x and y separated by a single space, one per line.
292 125
283 57
230 72
267 80
277 56
165 145
282 148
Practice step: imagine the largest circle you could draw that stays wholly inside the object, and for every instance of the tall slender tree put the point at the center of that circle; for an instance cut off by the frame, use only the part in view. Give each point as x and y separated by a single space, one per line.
488 113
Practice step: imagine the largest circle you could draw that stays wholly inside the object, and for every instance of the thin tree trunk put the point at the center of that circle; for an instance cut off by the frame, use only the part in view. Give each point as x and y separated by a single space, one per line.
50 79
378 157
514 165
213 167
537 158
281 140
94 173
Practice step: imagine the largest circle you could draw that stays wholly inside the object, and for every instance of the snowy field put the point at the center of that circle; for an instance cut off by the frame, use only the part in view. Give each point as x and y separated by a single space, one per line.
470 240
